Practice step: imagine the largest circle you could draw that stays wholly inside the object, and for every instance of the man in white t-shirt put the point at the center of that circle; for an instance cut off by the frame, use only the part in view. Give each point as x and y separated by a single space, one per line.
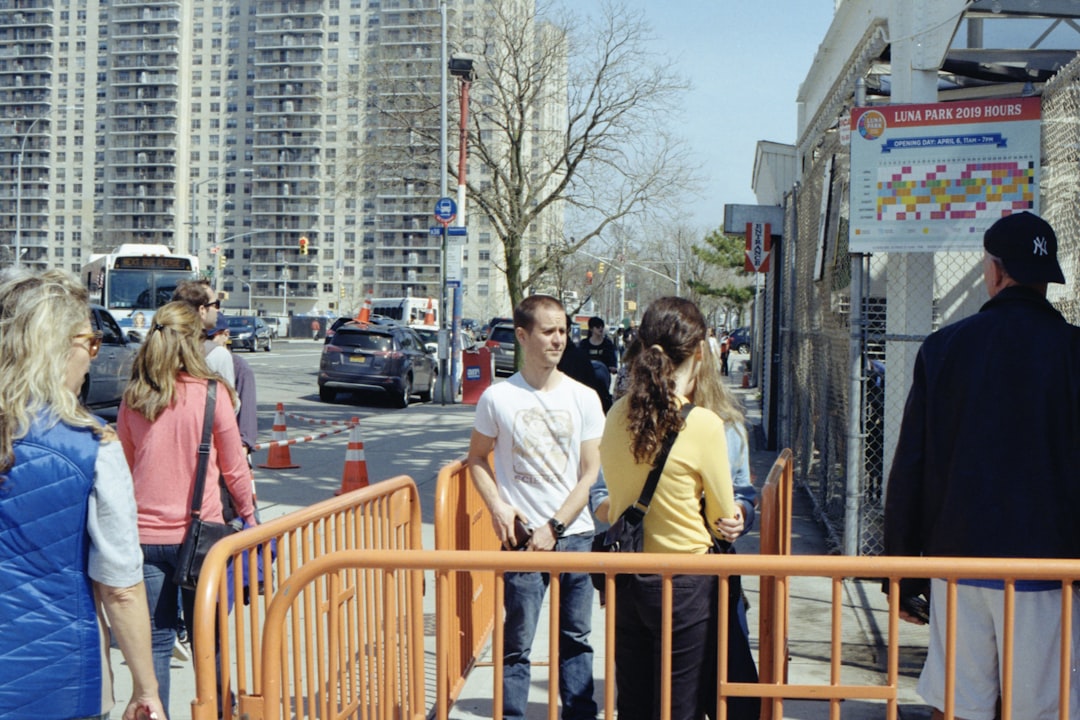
544 429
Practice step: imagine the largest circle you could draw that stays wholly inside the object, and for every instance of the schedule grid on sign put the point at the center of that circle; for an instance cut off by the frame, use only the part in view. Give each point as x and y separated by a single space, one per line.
935 190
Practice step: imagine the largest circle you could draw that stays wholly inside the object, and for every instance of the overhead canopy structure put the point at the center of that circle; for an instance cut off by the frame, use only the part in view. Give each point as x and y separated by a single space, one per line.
994 48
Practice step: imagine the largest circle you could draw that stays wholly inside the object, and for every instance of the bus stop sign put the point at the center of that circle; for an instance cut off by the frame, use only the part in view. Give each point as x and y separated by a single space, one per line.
445 210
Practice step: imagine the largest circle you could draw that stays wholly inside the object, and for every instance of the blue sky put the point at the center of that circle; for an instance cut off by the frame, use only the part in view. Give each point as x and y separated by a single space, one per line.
745 59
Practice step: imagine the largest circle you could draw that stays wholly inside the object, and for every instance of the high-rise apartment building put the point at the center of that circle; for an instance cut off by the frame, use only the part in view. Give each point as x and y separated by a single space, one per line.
234 128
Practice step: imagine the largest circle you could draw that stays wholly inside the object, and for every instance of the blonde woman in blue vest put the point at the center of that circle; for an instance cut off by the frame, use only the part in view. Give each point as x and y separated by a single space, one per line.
70 561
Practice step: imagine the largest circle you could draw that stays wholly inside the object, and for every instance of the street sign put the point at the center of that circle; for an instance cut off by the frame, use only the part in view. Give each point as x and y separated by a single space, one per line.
455 230
758 247
453 284
435 231
445 210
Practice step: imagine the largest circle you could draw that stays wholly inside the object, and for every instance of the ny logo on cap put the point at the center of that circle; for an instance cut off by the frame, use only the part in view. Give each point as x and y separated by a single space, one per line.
1040 246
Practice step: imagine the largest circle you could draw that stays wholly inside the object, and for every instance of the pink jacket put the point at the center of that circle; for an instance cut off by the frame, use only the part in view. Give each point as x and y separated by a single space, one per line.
163 456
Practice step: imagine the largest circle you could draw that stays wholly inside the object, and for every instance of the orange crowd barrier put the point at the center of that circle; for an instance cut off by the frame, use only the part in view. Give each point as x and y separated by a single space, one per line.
467 612
322 578
775 536
383 642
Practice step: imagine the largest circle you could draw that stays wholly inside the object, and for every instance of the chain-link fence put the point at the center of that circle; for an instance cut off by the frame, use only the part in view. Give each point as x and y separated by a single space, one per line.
829 357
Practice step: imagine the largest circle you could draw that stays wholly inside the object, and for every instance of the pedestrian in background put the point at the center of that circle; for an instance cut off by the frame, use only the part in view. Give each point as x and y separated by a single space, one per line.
199 296
160 425
985 466
693 494
72 568
544 432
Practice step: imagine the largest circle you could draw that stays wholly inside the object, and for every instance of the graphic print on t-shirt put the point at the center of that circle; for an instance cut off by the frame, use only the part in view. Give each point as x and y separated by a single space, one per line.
541 445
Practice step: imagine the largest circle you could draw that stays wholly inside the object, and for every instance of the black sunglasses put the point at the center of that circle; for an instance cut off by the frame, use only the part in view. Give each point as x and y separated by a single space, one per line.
215 304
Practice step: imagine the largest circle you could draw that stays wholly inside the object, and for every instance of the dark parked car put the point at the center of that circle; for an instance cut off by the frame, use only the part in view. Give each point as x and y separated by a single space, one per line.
485 332
247 332
388 358
111 369
740 340
500 341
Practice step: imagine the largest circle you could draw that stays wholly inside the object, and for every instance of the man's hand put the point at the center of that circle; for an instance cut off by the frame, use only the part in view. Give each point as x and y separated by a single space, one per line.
731 528
908 617
502 521
543 538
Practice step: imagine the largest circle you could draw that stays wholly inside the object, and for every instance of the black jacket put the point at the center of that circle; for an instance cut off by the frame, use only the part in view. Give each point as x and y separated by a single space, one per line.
988 459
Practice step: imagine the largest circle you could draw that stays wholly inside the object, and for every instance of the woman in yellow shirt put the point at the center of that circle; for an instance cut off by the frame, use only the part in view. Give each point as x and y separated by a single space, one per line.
696 479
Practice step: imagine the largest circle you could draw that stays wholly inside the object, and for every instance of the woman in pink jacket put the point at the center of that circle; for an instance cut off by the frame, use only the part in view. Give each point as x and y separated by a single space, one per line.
160 426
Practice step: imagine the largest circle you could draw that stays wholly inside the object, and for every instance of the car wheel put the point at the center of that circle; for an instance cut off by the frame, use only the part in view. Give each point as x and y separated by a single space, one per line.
402 400
269 342
430 392
327 394
744 348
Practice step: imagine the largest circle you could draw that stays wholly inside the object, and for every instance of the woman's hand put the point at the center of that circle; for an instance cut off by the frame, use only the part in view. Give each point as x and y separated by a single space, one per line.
731 528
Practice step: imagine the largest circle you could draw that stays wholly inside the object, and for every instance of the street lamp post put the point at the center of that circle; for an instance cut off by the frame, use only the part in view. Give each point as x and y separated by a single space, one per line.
18 189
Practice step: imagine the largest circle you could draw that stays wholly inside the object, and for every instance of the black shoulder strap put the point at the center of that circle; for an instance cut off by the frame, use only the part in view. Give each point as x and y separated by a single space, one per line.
642 504
204 448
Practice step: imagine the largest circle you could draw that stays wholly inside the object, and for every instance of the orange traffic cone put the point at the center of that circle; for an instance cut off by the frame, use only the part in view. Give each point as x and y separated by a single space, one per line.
365 311
279 452
429 314
355 474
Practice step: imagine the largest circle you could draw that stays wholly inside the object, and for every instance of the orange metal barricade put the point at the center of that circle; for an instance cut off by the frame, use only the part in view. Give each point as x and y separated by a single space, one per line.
775 534
364 640
462 522
322 578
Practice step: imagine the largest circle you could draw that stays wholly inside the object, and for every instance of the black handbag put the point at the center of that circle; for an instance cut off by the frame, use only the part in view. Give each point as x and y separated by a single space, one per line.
201 535
627 533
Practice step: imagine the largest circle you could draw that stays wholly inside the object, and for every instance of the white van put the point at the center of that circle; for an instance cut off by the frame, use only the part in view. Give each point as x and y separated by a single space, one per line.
412 311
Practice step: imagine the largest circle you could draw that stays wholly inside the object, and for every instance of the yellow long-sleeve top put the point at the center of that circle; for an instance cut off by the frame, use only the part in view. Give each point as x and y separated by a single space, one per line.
696 466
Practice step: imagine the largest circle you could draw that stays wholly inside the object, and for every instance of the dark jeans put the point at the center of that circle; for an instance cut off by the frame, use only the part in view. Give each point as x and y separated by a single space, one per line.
637 645
159 564
523 599
693 649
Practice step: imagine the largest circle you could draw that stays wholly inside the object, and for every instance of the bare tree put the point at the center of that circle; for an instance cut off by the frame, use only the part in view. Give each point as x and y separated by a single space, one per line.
569 119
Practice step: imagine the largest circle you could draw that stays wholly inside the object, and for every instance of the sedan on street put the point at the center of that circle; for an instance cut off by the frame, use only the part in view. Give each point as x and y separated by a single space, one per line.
110 371
248 332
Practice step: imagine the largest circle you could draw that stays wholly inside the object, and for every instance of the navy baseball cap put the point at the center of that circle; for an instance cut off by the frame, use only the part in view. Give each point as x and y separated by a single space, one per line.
221 326
1027 247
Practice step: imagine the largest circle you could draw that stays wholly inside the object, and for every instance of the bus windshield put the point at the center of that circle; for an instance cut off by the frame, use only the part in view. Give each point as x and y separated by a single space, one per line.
146 289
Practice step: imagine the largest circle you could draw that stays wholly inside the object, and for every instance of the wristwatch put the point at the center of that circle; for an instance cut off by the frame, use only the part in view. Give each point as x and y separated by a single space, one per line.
557 527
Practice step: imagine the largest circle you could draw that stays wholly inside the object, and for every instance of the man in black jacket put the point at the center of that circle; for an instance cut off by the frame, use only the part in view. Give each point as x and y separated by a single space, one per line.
986 465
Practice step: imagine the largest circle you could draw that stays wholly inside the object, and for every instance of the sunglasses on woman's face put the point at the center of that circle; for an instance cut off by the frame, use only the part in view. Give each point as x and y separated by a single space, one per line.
215 304
93 342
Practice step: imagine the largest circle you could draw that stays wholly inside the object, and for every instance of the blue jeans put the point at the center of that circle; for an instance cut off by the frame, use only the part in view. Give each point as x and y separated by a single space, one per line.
524 596
159 564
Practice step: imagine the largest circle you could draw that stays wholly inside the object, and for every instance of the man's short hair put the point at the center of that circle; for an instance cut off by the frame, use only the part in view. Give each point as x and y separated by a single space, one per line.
596 322
525 312
195 293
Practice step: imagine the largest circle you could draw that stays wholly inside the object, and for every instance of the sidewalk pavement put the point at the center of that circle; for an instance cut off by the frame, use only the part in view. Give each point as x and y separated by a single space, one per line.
864 621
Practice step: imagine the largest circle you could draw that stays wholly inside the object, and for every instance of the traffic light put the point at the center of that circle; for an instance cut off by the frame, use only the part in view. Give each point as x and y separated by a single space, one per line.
600 269
588 277
303 245
619 282
342 292
222 261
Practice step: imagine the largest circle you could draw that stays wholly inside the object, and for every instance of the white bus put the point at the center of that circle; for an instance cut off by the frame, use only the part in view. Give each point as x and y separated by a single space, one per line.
412 311
135 280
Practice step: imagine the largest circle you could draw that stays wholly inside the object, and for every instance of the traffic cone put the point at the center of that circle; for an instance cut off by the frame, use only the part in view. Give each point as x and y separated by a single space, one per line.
364 315
429 314
278 458
355 474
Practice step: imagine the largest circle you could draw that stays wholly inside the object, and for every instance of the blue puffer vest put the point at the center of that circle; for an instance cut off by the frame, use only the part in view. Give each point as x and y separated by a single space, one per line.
50 657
